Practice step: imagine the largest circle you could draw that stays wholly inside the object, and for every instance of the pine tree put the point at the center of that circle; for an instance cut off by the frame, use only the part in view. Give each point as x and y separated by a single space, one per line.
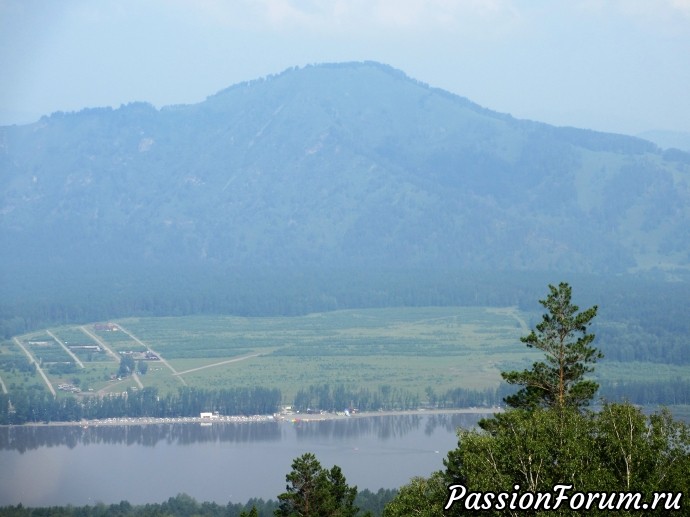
315 491
563 336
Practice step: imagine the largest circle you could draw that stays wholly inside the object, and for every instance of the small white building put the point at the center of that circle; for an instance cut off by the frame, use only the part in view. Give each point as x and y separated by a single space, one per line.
209 415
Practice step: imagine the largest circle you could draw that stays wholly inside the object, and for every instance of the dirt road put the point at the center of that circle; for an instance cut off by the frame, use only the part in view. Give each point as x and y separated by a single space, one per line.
110 352
57 340
218 364
160 357
38 367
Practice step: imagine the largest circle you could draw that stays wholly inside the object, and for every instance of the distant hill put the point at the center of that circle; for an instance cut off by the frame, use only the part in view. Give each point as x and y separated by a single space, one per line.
338 165
668 139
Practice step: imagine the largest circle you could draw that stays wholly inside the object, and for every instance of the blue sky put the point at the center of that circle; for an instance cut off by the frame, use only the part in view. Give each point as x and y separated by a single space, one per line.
616 65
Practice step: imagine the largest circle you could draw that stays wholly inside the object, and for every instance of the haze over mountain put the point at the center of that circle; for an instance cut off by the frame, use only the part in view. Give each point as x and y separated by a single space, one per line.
338 165
668 139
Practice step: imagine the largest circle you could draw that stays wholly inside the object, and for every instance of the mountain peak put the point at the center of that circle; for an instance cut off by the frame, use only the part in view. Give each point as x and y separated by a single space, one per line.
339 164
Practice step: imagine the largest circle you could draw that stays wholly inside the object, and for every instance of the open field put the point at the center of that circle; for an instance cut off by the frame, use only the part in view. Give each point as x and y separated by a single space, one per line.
443 348
411 349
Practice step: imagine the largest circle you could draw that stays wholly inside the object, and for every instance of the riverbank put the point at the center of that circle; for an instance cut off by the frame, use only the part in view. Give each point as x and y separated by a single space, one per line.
369 414
277 417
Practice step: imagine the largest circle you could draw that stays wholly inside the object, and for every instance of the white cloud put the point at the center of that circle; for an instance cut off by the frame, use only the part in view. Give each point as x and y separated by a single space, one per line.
349 15
681 5
658 15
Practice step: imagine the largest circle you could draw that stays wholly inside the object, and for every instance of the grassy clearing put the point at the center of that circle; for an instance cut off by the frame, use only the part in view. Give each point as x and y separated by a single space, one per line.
158 376
292 373
46 350
92 378
406 348
410 348
112 337
72 336
638 371
15 369
75 339
125 346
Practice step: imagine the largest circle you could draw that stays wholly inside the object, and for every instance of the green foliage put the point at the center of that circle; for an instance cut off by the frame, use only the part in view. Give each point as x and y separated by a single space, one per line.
182 505
339 499
615 450
39 405
672 391
142 367
18 362
467 347
62 369
422 497
4 408
126 366
314 491
373 503
645 454
563 337
547 439
534 449
339 397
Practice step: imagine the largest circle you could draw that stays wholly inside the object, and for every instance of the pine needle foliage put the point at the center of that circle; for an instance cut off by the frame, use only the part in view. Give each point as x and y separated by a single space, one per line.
564 338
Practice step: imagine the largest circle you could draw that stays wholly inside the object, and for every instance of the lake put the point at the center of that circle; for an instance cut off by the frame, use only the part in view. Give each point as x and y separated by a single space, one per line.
223 462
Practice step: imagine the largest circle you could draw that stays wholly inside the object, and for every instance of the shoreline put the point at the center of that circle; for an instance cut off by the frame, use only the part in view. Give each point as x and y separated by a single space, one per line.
277 417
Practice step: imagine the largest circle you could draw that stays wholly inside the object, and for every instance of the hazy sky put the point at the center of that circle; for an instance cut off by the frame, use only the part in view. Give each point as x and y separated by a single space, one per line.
617 65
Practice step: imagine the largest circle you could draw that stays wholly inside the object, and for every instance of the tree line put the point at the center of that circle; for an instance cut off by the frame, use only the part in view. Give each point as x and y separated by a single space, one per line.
182 505
40 406
37 405
31 301
339 397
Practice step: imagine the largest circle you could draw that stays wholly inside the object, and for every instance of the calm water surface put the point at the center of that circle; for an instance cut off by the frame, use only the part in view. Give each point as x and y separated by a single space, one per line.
41 466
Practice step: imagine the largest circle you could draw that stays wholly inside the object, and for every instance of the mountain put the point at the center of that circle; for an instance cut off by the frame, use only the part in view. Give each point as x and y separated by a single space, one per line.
668 139
337 165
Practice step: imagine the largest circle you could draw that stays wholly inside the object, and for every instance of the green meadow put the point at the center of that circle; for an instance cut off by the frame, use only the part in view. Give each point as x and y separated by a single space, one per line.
411 349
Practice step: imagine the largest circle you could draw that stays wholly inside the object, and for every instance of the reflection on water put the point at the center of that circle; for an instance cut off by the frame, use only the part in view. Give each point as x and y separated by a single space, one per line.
23 438
59 465
385 427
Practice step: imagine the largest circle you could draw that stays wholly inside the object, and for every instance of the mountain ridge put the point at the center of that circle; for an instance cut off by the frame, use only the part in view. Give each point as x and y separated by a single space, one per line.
339 164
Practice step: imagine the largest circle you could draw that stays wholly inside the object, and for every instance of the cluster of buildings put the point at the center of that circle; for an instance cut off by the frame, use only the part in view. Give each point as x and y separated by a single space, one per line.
69 387
146 356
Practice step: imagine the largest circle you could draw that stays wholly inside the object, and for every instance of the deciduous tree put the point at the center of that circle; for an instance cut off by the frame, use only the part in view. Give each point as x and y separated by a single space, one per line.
421 497
126 366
